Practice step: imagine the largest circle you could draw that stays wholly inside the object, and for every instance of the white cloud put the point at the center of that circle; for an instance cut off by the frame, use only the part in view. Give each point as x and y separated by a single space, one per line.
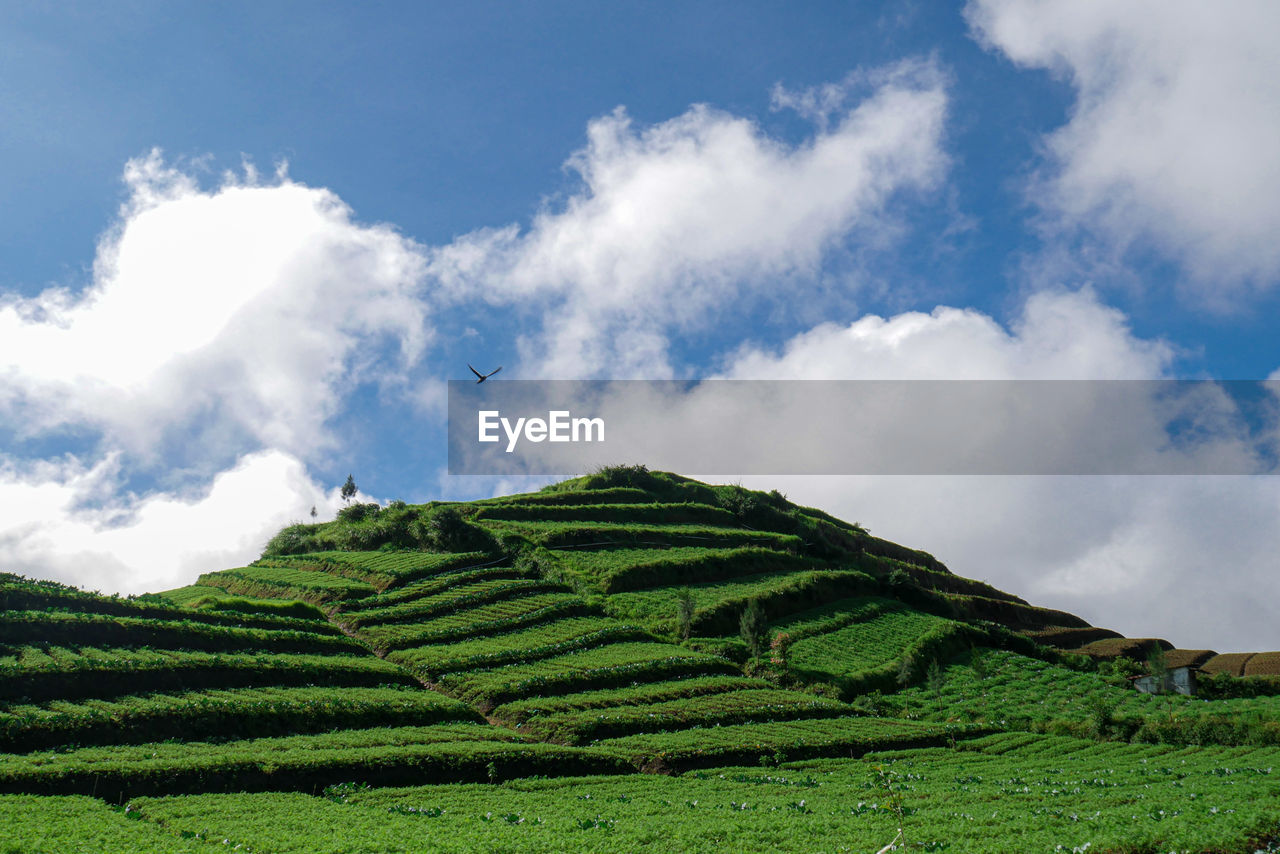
1190 559
1059 335
1171 140
237 314
677 222
161 541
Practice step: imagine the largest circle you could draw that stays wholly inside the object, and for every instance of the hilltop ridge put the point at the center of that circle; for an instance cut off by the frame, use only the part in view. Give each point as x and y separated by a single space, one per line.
621 622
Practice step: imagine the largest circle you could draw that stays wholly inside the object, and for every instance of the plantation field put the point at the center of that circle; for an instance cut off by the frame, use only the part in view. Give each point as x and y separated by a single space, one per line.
380 569
490 618
51 673
859 647
287 582
708 710
519 711
459 751
20 628
990 797
432 585
453 598
522 645
207 597
687 513
1011 690
510 675
606 666
620 570
718 605
555 534
227 713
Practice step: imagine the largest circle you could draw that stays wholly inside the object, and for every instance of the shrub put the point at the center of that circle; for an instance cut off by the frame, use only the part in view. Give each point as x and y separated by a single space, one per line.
359 512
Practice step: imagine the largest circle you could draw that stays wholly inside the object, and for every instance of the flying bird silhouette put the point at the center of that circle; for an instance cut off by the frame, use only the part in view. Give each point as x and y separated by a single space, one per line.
484 377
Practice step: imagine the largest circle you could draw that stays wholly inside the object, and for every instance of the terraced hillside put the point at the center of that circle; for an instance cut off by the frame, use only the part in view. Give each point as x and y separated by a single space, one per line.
392 680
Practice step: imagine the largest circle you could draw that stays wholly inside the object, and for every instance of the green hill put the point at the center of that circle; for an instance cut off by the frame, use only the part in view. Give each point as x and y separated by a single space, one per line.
628 659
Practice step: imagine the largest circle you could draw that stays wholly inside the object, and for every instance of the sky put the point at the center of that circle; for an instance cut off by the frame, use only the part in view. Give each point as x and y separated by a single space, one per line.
243 247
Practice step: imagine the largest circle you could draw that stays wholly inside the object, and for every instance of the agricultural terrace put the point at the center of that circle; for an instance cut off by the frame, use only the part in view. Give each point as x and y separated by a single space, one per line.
627 659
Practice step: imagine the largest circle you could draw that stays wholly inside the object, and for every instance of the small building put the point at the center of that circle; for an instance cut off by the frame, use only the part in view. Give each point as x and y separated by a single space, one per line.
1179 680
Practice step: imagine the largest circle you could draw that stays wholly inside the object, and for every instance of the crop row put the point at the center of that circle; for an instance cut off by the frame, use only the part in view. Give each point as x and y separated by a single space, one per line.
25 594
381 756
541 641
307 585
685 513
430 586
458 598
837 615
719 605
945 581
380 569
565 534
731 707
1065 637
221 713
1013 614
205 597
777 741
35 674
599 667
618 571
502 616
520 711
861 646
1136 648
19 628
615 495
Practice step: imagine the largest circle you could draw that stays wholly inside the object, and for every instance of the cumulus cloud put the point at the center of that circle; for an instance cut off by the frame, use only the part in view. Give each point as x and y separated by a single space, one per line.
673 223
235 314
58 526
1171 140
1128 553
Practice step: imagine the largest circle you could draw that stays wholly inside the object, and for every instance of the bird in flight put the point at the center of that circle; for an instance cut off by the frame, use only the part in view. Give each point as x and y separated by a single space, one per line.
484 377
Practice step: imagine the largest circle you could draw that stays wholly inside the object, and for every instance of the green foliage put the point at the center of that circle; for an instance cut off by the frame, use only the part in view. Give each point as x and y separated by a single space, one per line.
718 709
600 667
1052 792
307 762
451 599
359 512
526 645
620 476
620 570
286 582
235 713
751 627
349 488
1027 694
695 748
518 712
684 612
38 673
505 615
718 605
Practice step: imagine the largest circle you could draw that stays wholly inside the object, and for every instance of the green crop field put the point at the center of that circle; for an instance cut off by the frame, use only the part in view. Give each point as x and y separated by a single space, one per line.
626 661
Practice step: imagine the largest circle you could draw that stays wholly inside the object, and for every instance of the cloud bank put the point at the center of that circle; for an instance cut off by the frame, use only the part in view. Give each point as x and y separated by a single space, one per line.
673 224
1171 140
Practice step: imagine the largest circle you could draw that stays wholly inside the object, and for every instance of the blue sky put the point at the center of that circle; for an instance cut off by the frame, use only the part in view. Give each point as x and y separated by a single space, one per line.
245 244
